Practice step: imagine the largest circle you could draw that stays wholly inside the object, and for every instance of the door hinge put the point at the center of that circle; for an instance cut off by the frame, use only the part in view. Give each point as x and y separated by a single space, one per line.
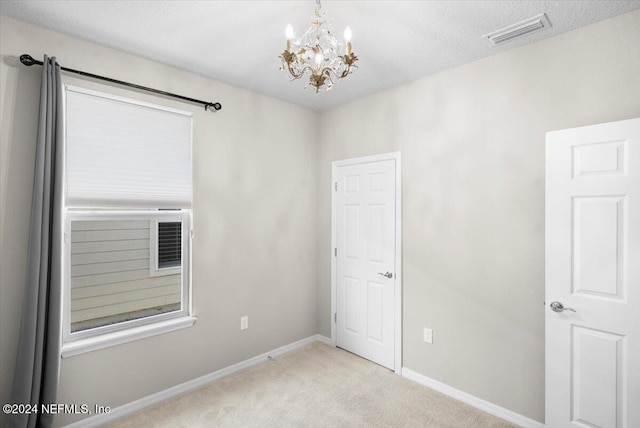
336 186
335 317
335 252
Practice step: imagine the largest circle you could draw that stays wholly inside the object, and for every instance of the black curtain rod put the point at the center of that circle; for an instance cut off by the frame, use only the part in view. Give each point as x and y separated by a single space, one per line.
29 61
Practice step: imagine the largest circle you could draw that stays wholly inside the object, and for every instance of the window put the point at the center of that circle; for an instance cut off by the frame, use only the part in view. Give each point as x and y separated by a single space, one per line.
127 220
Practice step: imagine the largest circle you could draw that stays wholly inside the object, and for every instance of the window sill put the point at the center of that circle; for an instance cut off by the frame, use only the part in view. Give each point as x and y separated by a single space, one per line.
82 346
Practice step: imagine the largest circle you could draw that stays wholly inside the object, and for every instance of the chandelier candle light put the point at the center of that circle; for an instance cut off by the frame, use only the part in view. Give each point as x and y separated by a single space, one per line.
318 53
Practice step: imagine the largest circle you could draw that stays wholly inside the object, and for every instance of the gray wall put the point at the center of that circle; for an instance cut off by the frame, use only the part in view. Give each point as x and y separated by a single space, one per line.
254 221
472 142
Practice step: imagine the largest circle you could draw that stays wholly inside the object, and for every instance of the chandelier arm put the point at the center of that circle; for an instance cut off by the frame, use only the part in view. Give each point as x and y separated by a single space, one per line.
329 70
330 79
297 75
293 73
347 70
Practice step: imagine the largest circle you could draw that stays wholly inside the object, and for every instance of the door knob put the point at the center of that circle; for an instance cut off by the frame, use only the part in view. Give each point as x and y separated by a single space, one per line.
559 307
387 274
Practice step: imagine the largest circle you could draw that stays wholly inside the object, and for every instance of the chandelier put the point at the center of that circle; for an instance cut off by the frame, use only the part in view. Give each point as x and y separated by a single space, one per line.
317 53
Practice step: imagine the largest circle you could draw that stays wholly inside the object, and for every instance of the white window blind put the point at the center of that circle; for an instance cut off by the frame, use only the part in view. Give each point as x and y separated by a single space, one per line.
123 153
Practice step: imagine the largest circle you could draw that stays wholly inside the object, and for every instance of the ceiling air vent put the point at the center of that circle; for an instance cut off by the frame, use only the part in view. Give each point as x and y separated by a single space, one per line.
528 26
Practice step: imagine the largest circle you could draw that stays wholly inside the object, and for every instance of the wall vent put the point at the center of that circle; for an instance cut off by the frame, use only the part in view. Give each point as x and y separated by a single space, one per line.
528 26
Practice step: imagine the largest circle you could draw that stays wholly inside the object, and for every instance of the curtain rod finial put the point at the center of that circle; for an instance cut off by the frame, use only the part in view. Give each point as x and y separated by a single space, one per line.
215 106
27 60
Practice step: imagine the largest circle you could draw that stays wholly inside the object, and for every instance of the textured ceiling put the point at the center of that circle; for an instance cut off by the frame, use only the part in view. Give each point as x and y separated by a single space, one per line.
238 42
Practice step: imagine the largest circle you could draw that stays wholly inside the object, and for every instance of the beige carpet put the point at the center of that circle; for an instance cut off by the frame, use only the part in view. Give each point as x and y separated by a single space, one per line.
316 386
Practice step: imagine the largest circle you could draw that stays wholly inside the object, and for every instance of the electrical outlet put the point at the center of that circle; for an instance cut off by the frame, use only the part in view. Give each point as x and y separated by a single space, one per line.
428 335
244 322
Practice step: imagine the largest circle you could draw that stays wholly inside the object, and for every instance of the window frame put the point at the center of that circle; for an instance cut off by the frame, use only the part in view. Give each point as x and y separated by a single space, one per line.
125 331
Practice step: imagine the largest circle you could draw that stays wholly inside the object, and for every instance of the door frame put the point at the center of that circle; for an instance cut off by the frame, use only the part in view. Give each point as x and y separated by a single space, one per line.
395 156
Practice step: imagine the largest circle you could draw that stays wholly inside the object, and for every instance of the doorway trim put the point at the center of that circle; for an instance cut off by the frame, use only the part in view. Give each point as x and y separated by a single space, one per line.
395 156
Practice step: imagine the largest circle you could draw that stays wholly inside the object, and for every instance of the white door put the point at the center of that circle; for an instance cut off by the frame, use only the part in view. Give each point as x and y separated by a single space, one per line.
365 253
593 267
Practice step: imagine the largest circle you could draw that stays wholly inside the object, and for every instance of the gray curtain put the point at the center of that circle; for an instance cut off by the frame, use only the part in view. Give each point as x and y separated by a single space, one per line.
38 360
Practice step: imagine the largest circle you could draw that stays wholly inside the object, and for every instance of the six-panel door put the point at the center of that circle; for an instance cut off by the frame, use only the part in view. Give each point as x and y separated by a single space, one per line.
365 261
593 267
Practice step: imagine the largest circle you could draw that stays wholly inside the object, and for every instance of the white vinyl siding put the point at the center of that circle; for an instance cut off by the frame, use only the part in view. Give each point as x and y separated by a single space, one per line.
110 271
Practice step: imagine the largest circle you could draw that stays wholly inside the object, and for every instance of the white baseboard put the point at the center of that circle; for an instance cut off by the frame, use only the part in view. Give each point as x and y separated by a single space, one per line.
501 412
167 394
323 339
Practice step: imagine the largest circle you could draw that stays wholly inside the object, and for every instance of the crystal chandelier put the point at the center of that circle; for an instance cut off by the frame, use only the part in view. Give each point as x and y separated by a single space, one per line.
318 53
